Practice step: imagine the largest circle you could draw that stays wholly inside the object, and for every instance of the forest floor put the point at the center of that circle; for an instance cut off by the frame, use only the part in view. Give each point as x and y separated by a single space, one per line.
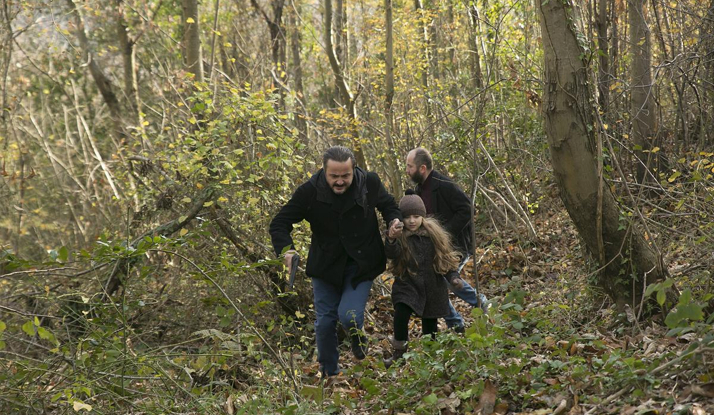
550 344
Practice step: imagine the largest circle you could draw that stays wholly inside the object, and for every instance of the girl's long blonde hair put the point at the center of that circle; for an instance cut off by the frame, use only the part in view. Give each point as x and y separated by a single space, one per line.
445 258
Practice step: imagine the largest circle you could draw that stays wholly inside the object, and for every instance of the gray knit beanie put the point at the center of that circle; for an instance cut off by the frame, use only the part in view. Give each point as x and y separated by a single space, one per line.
412 204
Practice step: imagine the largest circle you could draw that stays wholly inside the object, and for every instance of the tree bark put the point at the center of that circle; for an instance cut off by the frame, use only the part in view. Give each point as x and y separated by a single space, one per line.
425 67
295 47
706 45
128 54
628 263
602 24
347 98
104 84
642 111
394 173
192 33
277 41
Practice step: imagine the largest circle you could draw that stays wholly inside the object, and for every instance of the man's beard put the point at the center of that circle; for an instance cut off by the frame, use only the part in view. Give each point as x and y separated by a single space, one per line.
417 178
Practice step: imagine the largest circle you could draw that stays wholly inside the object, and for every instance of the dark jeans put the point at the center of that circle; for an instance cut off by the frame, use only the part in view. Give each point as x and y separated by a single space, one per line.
333 304
402 314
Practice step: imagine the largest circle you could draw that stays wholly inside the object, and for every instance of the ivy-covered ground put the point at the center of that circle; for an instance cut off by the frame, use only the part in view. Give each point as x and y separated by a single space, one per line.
191 336
549 345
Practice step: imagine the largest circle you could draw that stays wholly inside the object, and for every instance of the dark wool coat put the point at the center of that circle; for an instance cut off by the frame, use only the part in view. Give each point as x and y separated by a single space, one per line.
341 227
424 291
452 208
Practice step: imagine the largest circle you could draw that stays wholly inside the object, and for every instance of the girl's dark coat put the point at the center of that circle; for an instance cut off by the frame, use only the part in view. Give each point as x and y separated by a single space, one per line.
424 291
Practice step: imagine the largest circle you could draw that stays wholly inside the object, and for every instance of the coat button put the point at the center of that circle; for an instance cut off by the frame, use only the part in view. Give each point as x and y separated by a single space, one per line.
359 252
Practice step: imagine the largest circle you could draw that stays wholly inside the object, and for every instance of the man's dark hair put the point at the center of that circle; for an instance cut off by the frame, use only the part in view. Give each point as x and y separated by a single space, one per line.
339 154
422 157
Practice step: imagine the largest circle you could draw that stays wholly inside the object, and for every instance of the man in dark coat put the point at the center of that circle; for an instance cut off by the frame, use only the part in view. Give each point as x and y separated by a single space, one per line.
346 249
445 201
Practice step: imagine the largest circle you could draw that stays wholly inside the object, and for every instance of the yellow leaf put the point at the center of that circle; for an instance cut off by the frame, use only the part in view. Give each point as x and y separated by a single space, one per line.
227 181
183 232
656 149
190 20
299 314
222 199
79 405
207 204
186 200
199 185
605 126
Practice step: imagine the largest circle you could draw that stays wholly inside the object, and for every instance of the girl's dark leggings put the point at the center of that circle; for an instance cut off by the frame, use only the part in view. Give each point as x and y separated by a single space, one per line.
402 313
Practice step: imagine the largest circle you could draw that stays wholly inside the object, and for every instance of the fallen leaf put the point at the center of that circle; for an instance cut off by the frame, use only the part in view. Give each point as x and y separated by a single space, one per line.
705 389
487 401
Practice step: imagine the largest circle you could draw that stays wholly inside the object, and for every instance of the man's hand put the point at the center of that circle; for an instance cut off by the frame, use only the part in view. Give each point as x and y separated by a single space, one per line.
395 229
288 259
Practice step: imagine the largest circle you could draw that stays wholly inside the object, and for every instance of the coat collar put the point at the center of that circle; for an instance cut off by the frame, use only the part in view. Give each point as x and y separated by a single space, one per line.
419 232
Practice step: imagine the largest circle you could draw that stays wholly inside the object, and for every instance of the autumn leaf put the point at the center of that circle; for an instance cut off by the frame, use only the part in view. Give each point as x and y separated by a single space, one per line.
487 401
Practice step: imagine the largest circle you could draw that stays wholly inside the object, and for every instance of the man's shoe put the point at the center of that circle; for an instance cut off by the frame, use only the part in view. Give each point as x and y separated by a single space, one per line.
359 347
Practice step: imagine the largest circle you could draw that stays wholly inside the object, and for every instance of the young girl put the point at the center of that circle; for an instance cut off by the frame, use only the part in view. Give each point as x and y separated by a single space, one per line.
422 259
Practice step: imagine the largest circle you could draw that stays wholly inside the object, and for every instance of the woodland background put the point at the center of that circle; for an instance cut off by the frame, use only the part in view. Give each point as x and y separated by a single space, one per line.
146 144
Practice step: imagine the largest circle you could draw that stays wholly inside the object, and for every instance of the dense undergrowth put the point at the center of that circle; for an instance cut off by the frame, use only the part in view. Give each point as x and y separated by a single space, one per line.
195 341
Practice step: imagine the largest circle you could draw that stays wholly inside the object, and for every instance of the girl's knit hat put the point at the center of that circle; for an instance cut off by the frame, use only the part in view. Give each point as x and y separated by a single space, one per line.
411 204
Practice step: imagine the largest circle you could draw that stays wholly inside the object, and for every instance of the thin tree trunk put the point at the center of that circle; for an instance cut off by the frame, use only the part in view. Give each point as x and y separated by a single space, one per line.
192 33
394 173
128 54
425 67
706 46
346 95
104 84
474 42
602 23
630 263
642 111
295 46
277 42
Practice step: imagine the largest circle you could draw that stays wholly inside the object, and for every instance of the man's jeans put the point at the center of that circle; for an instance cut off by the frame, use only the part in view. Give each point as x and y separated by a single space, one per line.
468 294
332 305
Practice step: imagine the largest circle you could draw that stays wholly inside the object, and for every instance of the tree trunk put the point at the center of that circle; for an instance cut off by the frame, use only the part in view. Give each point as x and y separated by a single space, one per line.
394 173
601 24
421 12
104 84
128 54
295 46
706 45
474 42
628 264
194 58
347 98
642 111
